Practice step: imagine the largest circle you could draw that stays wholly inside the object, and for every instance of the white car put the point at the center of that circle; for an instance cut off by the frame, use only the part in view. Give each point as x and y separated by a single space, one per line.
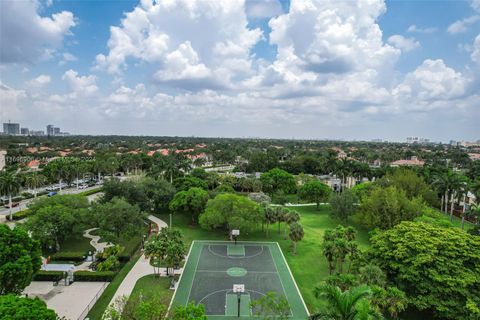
82 186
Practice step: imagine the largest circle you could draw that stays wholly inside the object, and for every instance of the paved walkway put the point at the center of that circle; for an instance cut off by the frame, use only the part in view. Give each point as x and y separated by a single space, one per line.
99 246
141 268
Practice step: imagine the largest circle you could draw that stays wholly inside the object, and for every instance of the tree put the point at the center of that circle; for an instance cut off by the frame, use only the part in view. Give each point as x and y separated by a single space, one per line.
192 202
21 308
390 300
187 182
20 258
352 304
339 246
166 247
271 306
72 201
34 181
260 198
270 217
231 211
9 186
158 194
343 205
314 191
291 216
189 312
51 225
386 207
137 307
438 268
296 234
118 219
277 179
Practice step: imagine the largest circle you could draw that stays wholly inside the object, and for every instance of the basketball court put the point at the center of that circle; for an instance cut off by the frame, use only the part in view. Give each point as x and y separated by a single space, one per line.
213 268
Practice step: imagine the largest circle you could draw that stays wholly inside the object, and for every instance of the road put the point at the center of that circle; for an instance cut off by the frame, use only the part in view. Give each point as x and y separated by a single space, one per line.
23 204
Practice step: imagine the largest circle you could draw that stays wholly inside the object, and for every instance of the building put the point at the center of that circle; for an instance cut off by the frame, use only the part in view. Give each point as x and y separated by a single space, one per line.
56 131
50 130
412 162
37 133
11 128
3 153
24 131
412 140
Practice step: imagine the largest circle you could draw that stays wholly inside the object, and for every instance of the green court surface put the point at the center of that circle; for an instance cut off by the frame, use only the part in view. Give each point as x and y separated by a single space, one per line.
235 250
213 267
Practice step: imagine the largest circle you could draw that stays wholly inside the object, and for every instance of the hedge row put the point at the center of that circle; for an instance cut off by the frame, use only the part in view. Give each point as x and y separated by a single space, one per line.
69 256
18 215
100 276
48 276
90 192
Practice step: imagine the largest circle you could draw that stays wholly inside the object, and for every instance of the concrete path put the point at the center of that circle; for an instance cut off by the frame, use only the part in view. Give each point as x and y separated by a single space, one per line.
141 268
99 246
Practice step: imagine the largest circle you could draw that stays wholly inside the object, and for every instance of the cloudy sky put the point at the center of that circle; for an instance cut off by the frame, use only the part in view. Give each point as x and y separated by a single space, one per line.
247 68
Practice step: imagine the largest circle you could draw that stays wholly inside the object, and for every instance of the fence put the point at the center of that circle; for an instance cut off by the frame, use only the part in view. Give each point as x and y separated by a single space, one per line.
87 309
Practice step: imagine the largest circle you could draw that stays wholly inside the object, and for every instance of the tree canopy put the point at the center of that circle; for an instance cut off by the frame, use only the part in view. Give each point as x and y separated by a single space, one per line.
19 259
21 308
315 191
276 180
438 268
230 211
191 201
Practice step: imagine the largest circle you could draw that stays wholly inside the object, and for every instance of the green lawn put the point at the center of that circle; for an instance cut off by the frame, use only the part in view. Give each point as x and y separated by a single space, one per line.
308 266
155 286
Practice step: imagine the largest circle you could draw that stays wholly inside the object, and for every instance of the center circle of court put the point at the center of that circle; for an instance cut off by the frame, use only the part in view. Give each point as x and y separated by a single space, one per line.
236 272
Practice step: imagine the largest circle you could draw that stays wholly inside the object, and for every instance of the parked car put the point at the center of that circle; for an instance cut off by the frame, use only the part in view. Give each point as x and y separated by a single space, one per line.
14 204
51 193
83 186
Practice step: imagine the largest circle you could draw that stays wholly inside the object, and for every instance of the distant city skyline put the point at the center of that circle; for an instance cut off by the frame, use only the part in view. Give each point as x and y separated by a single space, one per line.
352 70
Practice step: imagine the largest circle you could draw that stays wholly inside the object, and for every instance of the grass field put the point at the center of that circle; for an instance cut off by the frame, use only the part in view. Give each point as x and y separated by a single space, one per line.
154 286
308 266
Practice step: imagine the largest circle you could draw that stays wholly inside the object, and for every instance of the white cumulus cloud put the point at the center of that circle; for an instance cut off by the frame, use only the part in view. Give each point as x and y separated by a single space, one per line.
403 43
26 36
460 26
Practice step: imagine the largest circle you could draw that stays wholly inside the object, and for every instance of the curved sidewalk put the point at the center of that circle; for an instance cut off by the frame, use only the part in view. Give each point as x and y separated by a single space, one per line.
141 268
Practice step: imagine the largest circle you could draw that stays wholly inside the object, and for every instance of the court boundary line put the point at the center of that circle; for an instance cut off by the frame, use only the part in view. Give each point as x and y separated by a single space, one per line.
294 281
179 279
219 271
194 274
281 281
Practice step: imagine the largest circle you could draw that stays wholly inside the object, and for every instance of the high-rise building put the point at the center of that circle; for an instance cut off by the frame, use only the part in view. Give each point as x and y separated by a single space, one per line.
11 128
56 131
411 140
37 133
50 131
24 131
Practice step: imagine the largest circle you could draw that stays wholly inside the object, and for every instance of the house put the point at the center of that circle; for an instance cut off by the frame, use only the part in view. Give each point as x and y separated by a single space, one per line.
404 162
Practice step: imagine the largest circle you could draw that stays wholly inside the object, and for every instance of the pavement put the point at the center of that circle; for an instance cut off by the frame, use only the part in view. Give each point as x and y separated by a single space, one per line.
99 246
67 301
141 268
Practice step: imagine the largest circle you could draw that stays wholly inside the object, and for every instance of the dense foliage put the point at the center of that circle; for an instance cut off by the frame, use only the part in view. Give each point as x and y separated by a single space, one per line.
20 308
438 268
19 259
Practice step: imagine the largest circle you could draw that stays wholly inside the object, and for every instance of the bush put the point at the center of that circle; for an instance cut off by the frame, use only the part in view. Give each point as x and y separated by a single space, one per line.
69 256
48 276
100 276
18 215
90 192
27 195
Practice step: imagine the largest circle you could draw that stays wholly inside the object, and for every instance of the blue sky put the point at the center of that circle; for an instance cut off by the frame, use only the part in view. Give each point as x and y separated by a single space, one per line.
269 68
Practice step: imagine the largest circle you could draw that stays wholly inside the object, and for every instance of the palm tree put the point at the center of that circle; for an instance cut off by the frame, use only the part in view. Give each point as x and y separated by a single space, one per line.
34 181
473 211
296 234
352 304
291 217
156 251
9 185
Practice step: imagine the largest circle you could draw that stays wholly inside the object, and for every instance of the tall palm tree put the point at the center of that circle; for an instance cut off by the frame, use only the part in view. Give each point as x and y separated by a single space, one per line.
34 181
352 304
296 234
9 186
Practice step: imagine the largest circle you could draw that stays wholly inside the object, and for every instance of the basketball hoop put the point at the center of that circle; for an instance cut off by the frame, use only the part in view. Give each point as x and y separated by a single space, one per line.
235 234
238 289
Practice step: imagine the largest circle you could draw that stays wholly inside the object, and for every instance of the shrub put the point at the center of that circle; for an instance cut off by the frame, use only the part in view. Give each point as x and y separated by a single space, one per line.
69 256
48 276
18 215
90 192
100 276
